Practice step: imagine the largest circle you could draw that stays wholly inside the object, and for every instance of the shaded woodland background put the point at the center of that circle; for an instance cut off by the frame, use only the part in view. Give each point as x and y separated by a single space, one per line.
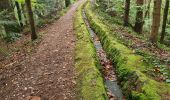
14 17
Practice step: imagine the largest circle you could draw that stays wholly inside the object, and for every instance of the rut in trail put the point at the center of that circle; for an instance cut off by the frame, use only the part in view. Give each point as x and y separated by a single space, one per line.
48 73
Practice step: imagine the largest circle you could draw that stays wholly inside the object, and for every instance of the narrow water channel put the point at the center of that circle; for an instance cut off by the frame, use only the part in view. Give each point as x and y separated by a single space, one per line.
114 91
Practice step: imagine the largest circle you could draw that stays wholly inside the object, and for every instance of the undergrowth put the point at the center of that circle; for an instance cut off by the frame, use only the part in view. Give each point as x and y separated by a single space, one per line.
117 28
136 84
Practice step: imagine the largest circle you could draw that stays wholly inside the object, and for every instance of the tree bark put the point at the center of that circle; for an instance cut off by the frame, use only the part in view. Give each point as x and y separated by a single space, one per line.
108 4
19 13
67 2
165 17
126 16
31 20
139 17
147 13
155 21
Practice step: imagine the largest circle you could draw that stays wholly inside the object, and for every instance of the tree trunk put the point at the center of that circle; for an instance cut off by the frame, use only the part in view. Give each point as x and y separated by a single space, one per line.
67 2
165 17
108 4
5 5
155 21
139 17
19 13
24 11
31 20
147 13
126 16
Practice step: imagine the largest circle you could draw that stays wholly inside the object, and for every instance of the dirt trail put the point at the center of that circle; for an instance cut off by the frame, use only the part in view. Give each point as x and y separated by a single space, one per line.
48 73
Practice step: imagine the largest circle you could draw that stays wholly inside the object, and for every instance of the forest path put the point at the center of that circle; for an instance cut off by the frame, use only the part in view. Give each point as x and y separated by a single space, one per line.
49 73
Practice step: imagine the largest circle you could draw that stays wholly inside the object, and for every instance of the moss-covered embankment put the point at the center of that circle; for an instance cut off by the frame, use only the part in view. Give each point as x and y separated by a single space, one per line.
90 85
130 67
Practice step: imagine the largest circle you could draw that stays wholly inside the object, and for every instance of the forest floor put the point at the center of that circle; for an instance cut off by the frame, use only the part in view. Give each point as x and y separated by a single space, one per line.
48 73
156 55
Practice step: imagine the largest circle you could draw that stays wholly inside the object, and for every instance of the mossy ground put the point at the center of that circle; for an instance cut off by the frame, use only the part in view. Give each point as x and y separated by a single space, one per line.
90 81
135 84
140 45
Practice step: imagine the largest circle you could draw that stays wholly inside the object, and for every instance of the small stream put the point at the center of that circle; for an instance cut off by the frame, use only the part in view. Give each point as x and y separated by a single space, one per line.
113 89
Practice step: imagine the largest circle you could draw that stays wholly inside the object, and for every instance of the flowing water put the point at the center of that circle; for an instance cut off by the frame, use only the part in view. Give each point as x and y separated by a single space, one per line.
109 73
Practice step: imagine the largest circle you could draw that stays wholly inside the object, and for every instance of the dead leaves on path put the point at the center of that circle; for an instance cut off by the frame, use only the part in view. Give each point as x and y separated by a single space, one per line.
33 98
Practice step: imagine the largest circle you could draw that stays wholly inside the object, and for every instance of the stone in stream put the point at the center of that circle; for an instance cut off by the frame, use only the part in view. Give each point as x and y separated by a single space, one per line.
115 89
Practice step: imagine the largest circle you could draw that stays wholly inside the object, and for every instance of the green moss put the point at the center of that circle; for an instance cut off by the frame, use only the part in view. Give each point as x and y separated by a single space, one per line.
90 85
111 22
135 84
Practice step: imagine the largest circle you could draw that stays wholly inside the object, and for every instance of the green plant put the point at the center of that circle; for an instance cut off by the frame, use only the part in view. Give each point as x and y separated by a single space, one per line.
8 27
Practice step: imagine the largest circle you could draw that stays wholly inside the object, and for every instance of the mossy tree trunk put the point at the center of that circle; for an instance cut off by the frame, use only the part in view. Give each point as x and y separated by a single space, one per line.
147 13
108 4
67 2
19 13
31 20
156 21
139 17
6 5
126 14
165 17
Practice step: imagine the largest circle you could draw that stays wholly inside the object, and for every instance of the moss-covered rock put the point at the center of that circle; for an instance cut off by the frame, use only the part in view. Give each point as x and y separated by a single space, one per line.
135 84
90 85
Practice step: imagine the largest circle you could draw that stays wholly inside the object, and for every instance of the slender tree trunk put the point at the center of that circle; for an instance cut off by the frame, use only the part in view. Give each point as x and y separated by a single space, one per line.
19 13
126 16
139 17
24 12
156 21
31 20
165 17
108 4
5 5
147 13
67 2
